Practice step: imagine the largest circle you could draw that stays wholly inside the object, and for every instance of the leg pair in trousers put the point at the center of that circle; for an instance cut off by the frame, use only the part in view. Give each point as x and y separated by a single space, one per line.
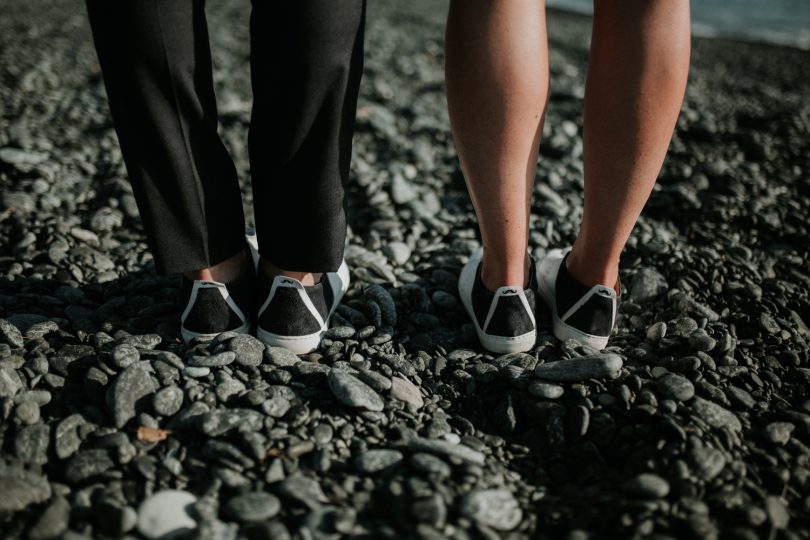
306 61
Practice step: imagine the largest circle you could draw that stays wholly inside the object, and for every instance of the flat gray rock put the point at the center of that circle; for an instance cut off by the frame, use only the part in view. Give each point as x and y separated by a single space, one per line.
580 369
280 357
405 390
353 392
131 385
10 382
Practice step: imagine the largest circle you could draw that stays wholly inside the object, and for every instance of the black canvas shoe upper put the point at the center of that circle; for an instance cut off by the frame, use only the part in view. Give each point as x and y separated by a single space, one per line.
596 314
208 312
287 313
510 317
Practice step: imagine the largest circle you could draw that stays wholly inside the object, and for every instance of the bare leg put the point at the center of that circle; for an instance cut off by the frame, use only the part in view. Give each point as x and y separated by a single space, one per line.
224 272
306 278
496 67
636 81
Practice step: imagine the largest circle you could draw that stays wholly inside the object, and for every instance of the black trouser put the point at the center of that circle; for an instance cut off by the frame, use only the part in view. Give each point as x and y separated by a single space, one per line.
306 61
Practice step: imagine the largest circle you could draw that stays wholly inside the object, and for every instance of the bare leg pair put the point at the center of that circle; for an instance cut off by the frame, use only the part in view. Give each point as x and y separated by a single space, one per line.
497 90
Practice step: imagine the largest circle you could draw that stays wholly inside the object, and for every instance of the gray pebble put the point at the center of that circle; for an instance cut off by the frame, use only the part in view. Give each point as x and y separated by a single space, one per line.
374 461
253 507
496 508
647 486
352 392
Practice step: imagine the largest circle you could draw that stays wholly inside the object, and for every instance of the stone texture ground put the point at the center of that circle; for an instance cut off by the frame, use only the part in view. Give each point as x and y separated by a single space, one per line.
695 423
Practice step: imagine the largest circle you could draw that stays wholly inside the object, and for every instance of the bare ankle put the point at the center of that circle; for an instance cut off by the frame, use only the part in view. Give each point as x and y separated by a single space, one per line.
497 273
306 278
223 272
592 272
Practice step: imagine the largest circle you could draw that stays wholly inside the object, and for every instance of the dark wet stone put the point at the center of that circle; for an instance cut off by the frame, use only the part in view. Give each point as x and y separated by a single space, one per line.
715 415
304 490
87 464
253 507
52 522
677 387
445 448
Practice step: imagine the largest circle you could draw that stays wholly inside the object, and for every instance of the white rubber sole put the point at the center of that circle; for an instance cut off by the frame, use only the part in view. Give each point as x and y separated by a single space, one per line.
188 335
546 283
495 344
305 344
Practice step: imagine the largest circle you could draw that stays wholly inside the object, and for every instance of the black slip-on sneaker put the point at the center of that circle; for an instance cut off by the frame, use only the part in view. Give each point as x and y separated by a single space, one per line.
212 307
584 314
504 320
295 316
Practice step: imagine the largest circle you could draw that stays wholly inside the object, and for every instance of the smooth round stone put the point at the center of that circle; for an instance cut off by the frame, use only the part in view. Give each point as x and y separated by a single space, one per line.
280 357
406 391
31 443
167 401
276 406
707 462
166 513
27 413
253 507
397 252
699 340
496 508
374 461
648 284
657 331
196 372
677 387
779 432
647 486
124 355
352 392
544 390
249 351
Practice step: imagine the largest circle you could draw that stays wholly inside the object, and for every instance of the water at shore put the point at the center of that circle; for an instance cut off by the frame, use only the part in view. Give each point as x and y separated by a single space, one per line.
785 22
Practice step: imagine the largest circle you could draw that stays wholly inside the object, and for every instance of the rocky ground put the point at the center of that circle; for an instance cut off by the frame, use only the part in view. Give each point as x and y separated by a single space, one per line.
695 423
